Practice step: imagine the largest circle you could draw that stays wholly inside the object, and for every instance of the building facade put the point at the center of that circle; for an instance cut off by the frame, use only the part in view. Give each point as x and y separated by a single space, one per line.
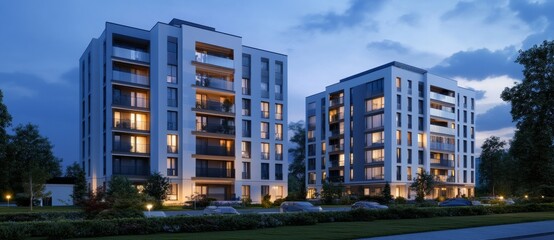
386 125
189 102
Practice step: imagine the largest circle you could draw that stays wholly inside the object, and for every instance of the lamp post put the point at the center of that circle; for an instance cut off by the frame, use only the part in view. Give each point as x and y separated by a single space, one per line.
149 207
8 197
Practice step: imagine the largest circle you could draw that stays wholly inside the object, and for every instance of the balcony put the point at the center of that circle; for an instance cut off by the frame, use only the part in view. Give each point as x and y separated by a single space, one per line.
278 156
215 172
214 60
131 54
445 178
336 117
443 146
377 160
128 124
442 130
172 149
216 106
245 154
442 113
264 155
442 98
336 147
336 101
215 150
128 101
216 128
336 132
171 172
130 77
437 162
376 177
279 136
336 179
124 147
217 83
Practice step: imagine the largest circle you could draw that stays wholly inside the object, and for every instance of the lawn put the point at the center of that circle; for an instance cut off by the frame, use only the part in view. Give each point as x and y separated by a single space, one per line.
350 230
13 209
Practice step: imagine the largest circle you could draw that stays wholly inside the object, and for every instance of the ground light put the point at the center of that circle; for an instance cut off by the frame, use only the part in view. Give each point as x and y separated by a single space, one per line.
501 198
526 196
8 197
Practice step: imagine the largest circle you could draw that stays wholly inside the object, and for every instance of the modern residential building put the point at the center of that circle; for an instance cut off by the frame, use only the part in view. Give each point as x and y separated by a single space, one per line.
387 124
189 102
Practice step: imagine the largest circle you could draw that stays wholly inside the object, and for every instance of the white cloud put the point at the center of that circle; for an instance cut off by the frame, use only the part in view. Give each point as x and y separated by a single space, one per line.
505 134
493 87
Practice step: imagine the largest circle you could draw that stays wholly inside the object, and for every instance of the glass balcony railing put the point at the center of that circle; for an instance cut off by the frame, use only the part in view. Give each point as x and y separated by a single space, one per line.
442 113
245 175
215 172
264 155
216 128
442 98
442 162
443 146
131 124
335 101
129 101
131 54
375 160
125 147
211 82
245 154
215 150
130 77
376 177
279 136
214 60
216 106
443 130
336 179
172 149
336 147
278 116
445 178
278 156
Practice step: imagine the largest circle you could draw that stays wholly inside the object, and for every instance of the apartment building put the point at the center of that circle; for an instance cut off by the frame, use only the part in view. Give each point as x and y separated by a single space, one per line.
189 102
387 124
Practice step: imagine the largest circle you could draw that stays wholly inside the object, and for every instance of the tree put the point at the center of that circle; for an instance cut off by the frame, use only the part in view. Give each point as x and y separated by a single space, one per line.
157 187
5 121
532 101
423 185
490 168
297 169
330 191
122 194
386 193
32 160
80 186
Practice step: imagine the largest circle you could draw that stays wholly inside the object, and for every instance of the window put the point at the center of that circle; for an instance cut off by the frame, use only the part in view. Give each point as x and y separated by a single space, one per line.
374 155
465 131
278 171
420 157
278 92
409 121
245 107
246 86
173 192
420 89
171 120
172 143
374 121
420 106
409 86
465 161
420 123
246 128
311 178
264 151
264 106
311 163
398 155
398 102
398 137
246 149
172 97
398 173
409 104
472 104
278 151
465 176
279 132
472 162
472 118
465 116
398 120
374 104
409 173
171 73
374 173
409 156
374 138
265 173
245 192
245 170
398 84
265 190
409 138
264 86
472 133
172 167
264 130
278 111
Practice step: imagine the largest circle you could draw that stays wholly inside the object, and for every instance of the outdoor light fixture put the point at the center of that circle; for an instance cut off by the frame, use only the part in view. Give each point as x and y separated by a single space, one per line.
149 207
542 196
526 196
501 198
8 197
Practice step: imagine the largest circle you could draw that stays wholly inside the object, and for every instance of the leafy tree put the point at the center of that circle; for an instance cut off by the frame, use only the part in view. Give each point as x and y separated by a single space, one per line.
157 187
423 185
122 194
32 160
532 110
297 169
386 193
5 121
80 187
490 168
330 191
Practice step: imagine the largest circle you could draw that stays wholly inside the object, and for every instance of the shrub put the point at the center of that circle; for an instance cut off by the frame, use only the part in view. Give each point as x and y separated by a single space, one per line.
266 201
400 200
379 199
14 231
40 216
119 213
278 202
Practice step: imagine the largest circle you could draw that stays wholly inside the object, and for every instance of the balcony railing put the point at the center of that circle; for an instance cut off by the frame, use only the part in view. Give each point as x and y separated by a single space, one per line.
215 172
214 60
279 136
130 77
172 149
215 150
443 146
216 106
442 113
336 147
264 155
336 117
212 82
444 178
335 132
442 162
278 116
375 160
264 135
264 114
442 97
336 179
245 175
128 101
441 129
171 172
216 128
131 54
278 176
376 177
134 170
278 156
245 91
125 147
336 101
131 125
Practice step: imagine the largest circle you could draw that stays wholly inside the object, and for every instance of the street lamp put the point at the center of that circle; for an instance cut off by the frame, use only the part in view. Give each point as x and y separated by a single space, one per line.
8 197
149 207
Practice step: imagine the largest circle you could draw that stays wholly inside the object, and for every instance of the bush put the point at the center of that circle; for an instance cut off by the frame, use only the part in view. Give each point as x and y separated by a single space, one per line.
277 202
400 200
379 199
119 213
266 201
14 231
40 216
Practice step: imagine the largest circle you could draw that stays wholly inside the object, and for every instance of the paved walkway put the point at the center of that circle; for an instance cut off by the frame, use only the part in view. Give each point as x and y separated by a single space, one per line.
529 231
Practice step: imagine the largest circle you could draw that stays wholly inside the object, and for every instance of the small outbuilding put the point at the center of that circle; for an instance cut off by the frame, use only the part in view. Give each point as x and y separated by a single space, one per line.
60 189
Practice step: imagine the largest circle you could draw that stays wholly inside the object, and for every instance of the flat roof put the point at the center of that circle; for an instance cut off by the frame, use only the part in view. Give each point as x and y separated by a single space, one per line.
391 64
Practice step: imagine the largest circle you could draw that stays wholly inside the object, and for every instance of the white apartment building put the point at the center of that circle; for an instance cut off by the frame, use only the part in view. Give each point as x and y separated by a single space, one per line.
387 124
189 102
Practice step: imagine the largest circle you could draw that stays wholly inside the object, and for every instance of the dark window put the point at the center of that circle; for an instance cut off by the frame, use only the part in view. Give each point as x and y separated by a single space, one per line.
265 171
172 97
278 171
171 120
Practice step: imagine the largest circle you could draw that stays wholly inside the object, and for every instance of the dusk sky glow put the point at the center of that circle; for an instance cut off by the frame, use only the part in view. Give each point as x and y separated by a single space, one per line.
474 42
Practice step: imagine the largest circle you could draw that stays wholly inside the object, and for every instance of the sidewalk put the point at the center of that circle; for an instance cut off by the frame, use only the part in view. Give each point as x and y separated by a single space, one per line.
531 230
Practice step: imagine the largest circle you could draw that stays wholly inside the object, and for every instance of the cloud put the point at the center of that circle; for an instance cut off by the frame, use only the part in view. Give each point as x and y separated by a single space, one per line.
461 9
505 134
480 64
539 15
495 118
388 45
354 16
492 87
411 19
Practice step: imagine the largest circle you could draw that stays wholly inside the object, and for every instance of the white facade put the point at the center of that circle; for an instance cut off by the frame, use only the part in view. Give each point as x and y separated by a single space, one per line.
60 194
170 100
386 125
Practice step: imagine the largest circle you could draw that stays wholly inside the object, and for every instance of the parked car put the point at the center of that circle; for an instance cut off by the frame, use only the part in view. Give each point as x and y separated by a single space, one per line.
222 210
368 205
455 202
299 207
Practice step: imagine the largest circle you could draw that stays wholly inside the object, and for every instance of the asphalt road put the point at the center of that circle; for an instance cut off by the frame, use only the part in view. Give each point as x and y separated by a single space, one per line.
244 211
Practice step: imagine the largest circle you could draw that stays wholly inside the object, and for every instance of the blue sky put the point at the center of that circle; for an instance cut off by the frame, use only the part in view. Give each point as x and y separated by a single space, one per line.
474 42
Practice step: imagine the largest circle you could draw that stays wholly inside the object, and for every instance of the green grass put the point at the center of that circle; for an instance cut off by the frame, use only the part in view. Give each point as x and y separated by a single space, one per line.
350 230
12 209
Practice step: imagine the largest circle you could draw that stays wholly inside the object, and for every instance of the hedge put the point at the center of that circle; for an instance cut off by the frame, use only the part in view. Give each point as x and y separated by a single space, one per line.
40 216
63 229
